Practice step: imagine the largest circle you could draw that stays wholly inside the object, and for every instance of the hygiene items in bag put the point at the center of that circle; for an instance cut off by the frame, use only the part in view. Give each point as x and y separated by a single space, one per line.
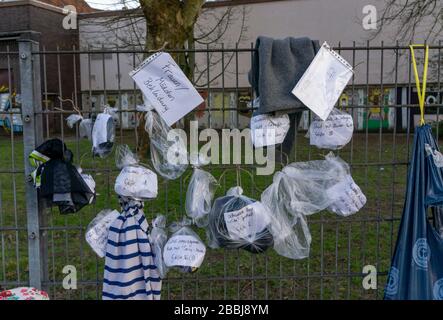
134 180
184 249
89 180
97 230
267 129
85 125
199 196
169 157
59 181
103 133
289 228
239 222
130 271
333 133
166 87
158 238
323 82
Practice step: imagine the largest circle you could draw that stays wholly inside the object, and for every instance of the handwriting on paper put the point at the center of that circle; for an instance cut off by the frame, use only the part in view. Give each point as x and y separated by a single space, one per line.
184 250
348 197
166 87
247 222
97 236
268 130
333 133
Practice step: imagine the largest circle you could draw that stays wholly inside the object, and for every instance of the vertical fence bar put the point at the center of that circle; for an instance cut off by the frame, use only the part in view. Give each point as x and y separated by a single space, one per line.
30 87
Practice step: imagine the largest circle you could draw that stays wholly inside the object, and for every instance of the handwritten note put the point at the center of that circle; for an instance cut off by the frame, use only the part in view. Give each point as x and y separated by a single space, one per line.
268 130
97 236
184 250
137 182
166 87
247 222
333 133
323 82
348 196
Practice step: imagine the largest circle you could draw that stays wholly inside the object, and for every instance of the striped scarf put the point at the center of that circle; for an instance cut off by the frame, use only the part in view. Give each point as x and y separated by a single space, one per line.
130 272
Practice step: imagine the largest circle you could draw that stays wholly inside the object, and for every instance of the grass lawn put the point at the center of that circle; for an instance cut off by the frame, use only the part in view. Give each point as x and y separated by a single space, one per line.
340 246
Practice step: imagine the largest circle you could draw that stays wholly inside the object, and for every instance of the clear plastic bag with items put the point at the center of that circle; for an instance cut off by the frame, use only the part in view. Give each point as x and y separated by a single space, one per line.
89 180
103 133
199 196
239 222
134 181
169 158
158 238
333 133
97 230
289 228
184 249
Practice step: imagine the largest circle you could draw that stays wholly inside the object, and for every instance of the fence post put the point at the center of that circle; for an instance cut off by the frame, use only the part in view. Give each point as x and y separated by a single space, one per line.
30 90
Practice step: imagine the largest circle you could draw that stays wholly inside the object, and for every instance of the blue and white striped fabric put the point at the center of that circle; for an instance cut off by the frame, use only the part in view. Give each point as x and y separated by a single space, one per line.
130 272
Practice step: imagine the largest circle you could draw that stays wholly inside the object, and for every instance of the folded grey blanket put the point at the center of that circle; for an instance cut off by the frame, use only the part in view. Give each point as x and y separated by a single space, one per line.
277 65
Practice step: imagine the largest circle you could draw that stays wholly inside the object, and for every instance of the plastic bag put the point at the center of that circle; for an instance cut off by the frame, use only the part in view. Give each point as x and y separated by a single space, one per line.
134 180
161 148
333 133
103 133
158 240
89 181
184 249
289 228
199 196
238 222
97 230
436 155
85 125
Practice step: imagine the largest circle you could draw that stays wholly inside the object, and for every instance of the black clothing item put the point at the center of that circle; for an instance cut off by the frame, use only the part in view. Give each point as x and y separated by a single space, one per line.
60 182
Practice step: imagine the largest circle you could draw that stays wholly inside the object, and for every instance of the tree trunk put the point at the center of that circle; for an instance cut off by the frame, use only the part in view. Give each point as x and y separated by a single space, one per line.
169 25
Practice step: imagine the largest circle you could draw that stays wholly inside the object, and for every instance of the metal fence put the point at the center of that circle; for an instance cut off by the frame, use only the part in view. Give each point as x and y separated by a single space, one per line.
36 243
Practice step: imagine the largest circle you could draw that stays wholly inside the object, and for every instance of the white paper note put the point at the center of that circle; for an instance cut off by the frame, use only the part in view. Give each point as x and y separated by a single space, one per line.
267 130
165 85
323 82
348 196
333 133
184 250
97 236
247 222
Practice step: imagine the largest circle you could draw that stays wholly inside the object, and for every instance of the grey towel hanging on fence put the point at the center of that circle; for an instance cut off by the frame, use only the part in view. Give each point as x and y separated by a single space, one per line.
277 65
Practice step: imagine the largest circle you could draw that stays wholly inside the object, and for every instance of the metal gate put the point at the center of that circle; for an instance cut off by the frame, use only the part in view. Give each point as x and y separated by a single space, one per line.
37 243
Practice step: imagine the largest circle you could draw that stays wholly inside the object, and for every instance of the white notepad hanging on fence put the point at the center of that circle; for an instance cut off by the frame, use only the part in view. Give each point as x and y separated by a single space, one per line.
323 82
166 86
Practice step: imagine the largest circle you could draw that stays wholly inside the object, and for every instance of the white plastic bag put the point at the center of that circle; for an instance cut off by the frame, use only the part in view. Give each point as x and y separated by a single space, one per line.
184 249
239 222
89 180
158 240
333 133
289 228
97 230
134 180
85 125
169 158
103 133
199 196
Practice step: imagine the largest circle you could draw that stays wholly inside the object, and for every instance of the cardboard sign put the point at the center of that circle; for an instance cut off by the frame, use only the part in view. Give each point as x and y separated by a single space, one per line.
184 250
348 196
246 222
323 82
97 236
166 87
267 130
